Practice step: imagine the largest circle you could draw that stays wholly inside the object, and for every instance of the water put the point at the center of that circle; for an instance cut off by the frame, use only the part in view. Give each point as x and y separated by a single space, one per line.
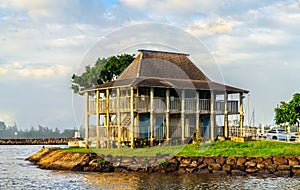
16 173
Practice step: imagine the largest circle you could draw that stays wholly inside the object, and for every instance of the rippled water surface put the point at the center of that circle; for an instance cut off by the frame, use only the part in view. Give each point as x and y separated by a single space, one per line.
16 173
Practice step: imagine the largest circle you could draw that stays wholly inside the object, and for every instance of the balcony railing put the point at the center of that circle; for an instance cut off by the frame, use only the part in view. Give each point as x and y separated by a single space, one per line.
142 104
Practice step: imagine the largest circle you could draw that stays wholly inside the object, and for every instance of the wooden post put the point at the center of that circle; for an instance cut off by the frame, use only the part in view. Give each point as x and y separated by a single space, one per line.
151 115
168 116
107 118
212 117
225 114
119 117
87 120
131 118
197 115
97 120
182 115
241 115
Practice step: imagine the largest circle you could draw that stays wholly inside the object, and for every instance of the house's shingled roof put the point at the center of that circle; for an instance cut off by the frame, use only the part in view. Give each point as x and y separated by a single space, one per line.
168 70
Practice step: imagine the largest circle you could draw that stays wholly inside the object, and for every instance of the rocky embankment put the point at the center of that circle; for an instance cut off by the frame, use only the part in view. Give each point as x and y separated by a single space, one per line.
53 158
41 141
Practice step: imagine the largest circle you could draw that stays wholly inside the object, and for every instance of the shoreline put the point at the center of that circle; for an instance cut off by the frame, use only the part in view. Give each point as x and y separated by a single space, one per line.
57 159
39 141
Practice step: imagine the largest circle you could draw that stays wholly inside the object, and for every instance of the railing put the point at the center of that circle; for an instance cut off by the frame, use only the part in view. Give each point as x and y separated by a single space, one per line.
92 105
113 104
204 105
125 103
159 104
190 104
175 104
142 104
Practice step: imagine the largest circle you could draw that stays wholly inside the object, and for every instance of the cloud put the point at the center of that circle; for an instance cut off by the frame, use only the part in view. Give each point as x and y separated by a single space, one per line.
17 70
7 118
205 27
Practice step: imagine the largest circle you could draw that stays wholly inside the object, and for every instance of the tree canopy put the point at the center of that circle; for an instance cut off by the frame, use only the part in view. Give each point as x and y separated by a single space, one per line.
104 70
288 112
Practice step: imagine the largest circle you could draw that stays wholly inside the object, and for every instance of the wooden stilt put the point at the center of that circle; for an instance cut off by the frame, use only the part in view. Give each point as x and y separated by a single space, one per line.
182 116
168 116
212 116
87 119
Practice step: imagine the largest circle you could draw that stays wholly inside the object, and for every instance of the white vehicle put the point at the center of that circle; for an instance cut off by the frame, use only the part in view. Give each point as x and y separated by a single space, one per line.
280 134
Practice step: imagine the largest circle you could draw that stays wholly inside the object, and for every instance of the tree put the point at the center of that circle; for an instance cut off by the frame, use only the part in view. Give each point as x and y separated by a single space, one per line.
288 112
104 70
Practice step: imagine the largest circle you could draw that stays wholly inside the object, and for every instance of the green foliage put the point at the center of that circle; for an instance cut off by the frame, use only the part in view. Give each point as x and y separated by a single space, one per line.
104 70
288 112
101 162
164 163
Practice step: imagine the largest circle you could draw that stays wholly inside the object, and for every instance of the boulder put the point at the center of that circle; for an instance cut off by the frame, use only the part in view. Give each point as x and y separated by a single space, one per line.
214 167
209 160
231 160
279 160
241 161
272 167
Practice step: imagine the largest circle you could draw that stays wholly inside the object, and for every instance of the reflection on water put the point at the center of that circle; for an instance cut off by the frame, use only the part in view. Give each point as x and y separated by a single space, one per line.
188 181
16 173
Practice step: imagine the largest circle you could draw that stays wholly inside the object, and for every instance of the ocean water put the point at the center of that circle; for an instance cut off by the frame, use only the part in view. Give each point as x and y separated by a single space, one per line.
17 173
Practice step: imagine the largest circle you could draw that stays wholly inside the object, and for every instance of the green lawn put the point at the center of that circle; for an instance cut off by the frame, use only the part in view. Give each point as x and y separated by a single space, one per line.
220 148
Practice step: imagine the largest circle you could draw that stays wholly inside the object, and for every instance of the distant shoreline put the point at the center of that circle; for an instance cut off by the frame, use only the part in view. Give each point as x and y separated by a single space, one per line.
38 141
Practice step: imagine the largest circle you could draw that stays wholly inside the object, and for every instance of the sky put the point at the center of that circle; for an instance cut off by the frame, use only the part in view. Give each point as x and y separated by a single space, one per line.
42 43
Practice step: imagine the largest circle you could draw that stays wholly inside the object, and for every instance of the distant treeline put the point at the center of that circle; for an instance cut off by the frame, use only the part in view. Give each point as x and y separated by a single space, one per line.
11 132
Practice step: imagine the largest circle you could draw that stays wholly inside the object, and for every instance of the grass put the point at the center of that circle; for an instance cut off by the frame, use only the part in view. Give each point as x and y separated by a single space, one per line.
220 148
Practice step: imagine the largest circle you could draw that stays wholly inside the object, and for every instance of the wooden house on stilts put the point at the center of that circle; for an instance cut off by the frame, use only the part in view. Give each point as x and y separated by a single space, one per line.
161 97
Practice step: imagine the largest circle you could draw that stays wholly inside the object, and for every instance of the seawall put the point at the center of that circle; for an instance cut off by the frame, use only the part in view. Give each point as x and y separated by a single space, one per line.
40 141
53 158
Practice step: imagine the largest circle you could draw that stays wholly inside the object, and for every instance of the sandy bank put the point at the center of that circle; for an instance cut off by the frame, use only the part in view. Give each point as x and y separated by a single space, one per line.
53 158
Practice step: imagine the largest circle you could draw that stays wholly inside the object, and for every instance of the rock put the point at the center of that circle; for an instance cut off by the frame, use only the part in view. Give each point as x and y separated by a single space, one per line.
214 167
174 161
279 160
241 161
185 161
181 171
182 165
257 160
200 160
220 160
238 172
190 170
133 167
171 168
202 166
236 167
203 171
219 172
296 174
284 173
267 161
209 160
263 173
194 164
292 161
226 167
250 164
272 167
251 170
231 160
296 169
260 166
284 167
